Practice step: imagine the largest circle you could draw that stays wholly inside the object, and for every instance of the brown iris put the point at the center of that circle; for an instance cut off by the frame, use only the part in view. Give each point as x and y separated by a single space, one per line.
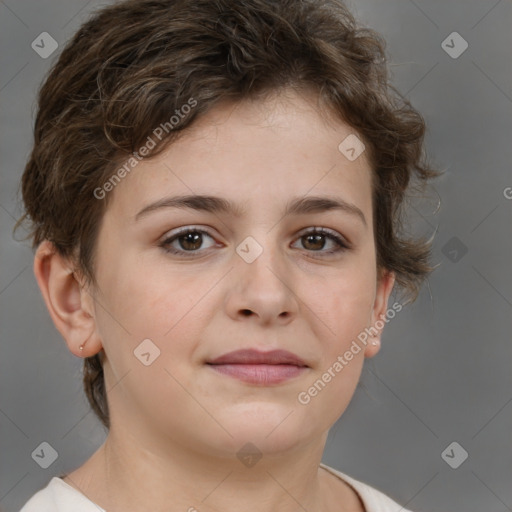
191 241
314 241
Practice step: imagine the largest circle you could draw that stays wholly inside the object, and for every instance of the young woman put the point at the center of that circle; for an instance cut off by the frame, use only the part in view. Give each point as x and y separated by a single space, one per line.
215 192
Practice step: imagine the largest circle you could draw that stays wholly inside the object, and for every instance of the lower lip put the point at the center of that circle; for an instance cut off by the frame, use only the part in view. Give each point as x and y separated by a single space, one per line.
262 374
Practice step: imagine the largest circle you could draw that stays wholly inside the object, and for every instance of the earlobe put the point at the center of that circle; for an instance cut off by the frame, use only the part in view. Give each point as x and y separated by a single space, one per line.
385 286
72 315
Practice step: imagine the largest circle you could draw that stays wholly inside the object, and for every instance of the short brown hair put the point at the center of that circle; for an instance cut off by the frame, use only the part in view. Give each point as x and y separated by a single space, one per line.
135 63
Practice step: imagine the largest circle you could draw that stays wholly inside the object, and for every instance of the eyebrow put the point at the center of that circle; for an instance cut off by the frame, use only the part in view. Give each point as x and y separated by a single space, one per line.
219 205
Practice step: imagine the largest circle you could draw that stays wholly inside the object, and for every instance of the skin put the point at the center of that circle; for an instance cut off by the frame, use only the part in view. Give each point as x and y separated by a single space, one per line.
177 425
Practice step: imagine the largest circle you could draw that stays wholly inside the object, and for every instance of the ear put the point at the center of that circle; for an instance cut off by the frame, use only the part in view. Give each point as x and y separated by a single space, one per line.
69 304
385 283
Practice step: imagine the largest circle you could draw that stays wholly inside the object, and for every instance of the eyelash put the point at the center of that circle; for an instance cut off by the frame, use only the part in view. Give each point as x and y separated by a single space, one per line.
341 244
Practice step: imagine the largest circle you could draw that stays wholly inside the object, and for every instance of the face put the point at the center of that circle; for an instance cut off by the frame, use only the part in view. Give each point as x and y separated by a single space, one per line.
198 281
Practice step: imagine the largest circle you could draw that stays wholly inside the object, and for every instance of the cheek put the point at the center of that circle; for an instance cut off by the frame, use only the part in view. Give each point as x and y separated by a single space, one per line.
170 310
344 306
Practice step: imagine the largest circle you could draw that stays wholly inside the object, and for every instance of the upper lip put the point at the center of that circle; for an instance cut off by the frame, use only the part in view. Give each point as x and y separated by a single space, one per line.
252 356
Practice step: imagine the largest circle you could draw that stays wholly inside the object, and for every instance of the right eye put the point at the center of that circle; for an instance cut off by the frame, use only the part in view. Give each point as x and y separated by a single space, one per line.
186 240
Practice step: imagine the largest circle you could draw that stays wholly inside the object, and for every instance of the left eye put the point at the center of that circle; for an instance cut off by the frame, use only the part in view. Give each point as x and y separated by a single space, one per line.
315 240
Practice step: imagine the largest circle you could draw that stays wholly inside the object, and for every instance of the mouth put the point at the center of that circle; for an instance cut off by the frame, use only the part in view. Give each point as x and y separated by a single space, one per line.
260 368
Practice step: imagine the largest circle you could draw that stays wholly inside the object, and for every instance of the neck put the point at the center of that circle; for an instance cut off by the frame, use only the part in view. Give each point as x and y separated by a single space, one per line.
126 474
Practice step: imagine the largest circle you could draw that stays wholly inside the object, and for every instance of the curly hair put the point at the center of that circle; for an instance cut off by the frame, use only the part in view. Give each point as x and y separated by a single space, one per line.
135 62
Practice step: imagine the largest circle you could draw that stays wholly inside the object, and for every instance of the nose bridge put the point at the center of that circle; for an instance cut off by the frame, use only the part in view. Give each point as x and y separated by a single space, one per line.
262 259
262 279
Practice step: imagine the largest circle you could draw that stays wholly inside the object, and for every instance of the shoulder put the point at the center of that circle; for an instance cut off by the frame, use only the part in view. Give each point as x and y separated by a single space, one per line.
373 499
58 496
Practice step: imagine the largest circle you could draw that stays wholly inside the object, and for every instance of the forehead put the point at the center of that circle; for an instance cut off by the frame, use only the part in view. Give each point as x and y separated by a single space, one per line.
254 152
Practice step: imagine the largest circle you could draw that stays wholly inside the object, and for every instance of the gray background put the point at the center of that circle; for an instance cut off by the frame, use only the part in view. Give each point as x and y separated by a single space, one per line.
444 372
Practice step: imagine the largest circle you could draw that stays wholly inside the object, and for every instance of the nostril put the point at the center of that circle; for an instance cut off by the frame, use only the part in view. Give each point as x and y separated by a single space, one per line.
246 312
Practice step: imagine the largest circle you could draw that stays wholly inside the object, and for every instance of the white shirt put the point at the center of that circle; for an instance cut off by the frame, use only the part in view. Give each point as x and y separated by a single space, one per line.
58 496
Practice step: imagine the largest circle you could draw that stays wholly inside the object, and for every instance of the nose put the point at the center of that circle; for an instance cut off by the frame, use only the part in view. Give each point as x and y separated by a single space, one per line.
262 291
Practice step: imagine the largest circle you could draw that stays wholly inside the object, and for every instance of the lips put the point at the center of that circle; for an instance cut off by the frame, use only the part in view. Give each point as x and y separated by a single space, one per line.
252 357
259 368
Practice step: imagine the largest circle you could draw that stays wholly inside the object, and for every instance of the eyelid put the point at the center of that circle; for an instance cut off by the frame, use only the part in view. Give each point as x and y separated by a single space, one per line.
325 231
341 242
185 229
174 234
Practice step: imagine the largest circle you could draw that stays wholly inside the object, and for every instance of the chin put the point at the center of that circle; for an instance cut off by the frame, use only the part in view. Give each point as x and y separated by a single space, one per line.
270 427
